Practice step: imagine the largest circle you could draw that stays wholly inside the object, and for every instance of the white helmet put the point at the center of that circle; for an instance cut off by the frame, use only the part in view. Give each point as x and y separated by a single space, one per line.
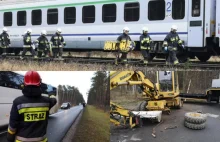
59 30
29 31
43 32
4 29
145 29
125 29
174 27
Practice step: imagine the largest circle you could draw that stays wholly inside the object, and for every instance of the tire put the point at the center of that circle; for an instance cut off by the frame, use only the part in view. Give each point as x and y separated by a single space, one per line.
181 104
194 126
142 106
195 118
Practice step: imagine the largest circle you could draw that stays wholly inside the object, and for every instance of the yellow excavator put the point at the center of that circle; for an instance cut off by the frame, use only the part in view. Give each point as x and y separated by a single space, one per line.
158 97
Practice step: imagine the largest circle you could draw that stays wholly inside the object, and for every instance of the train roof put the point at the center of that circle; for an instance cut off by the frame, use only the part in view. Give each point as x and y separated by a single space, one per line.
9 5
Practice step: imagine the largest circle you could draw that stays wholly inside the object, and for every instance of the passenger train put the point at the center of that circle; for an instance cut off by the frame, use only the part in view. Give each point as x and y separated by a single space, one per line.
88 24
10 88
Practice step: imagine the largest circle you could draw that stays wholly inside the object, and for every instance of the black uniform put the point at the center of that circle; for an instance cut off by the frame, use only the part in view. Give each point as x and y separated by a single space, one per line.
43 46
29 116
145 42
27 45
5 41
57 42
123 38
173 42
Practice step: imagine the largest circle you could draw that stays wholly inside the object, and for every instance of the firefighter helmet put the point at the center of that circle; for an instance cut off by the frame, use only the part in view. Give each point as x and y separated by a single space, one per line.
4 29
32 78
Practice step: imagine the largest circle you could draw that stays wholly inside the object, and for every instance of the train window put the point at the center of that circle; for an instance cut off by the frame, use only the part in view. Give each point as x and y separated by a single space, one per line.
196 8
109 13
131 12
8 19
36 17
178 9
70 15
21 18
156 10
88 14
52 16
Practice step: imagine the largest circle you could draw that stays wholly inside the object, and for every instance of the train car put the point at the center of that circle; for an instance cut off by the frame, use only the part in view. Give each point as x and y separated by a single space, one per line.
87 24
11 84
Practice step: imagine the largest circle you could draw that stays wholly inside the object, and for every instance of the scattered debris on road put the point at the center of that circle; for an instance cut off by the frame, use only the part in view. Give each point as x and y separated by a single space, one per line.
171 127
154 129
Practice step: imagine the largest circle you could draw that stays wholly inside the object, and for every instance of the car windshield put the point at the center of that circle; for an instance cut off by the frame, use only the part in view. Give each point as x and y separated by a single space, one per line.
64 105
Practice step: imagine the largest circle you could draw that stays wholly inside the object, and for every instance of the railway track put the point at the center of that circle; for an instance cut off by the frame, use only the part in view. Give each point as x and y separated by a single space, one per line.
110 61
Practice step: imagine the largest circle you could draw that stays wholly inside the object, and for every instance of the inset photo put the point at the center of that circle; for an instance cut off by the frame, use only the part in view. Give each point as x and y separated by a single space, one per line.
164 106
54 106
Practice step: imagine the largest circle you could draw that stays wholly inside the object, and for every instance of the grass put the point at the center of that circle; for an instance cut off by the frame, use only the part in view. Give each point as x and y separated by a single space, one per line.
94 126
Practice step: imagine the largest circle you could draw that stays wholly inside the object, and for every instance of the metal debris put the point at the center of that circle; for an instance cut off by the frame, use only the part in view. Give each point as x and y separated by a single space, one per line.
154 129
171 127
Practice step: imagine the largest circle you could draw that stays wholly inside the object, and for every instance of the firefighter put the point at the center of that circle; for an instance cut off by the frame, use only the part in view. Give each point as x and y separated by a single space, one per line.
29 113
57 43
124 38
171 43
145 42
43 44
5 40
28 44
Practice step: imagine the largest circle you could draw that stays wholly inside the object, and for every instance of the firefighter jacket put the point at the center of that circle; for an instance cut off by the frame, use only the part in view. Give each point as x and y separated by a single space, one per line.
125 39
27 40
43 42
145 41
172 40
4 39
29 116
57 41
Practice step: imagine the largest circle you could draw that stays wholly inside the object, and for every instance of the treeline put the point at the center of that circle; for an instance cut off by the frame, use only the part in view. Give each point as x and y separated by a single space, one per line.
99 93
69 94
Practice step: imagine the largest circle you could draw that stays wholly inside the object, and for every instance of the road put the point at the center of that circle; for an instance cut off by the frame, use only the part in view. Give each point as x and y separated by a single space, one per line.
180 134
58 124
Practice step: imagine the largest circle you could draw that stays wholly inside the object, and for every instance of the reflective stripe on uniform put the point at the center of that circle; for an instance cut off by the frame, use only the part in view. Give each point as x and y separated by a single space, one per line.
24 110
32 105
11 130
39 139
52 96
145 48
26 46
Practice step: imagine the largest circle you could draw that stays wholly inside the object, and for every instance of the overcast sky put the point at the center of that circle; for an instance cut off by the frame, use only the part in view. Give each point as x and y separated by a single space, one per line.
79 79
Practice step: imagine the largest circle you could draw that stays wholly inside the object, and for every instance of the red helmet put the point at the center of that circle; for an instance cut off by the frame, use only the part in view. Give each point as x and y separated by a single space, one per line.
32 78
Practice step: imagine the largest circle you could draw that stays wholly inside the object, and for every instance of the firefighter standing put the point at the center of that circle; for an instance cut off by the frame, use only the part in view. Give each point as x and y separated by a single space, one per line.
5 41
28 44
30 112
43 44
57 42
172 40
124 38
145 42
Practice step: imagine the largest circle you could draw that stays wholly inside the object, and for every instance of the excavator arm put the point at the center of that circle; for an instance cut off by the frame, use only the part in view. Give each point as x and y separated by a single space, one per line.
133 78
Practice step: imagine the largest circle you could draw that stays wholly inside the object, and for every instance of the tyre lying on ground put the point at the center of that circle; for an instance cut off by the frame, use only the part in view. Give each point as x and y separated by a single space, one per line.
195 120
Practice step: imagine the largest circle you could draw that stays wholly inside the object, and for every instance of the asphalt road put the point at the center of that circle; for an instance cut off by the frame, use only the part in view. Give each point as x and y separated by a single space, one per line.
58 124
180 134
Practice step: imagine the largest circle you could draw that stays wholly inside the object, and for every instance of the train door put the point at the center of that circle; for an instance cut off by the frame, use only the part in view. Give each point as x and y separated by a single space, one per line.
196 24
218 19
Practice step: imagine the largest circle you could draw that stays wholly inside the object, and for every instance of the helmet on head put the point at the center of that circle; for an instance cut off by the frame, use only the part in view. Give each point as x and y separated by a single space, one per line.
174 27
29 31
145 29
59 30
125 29
43 32
32 78
4 29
